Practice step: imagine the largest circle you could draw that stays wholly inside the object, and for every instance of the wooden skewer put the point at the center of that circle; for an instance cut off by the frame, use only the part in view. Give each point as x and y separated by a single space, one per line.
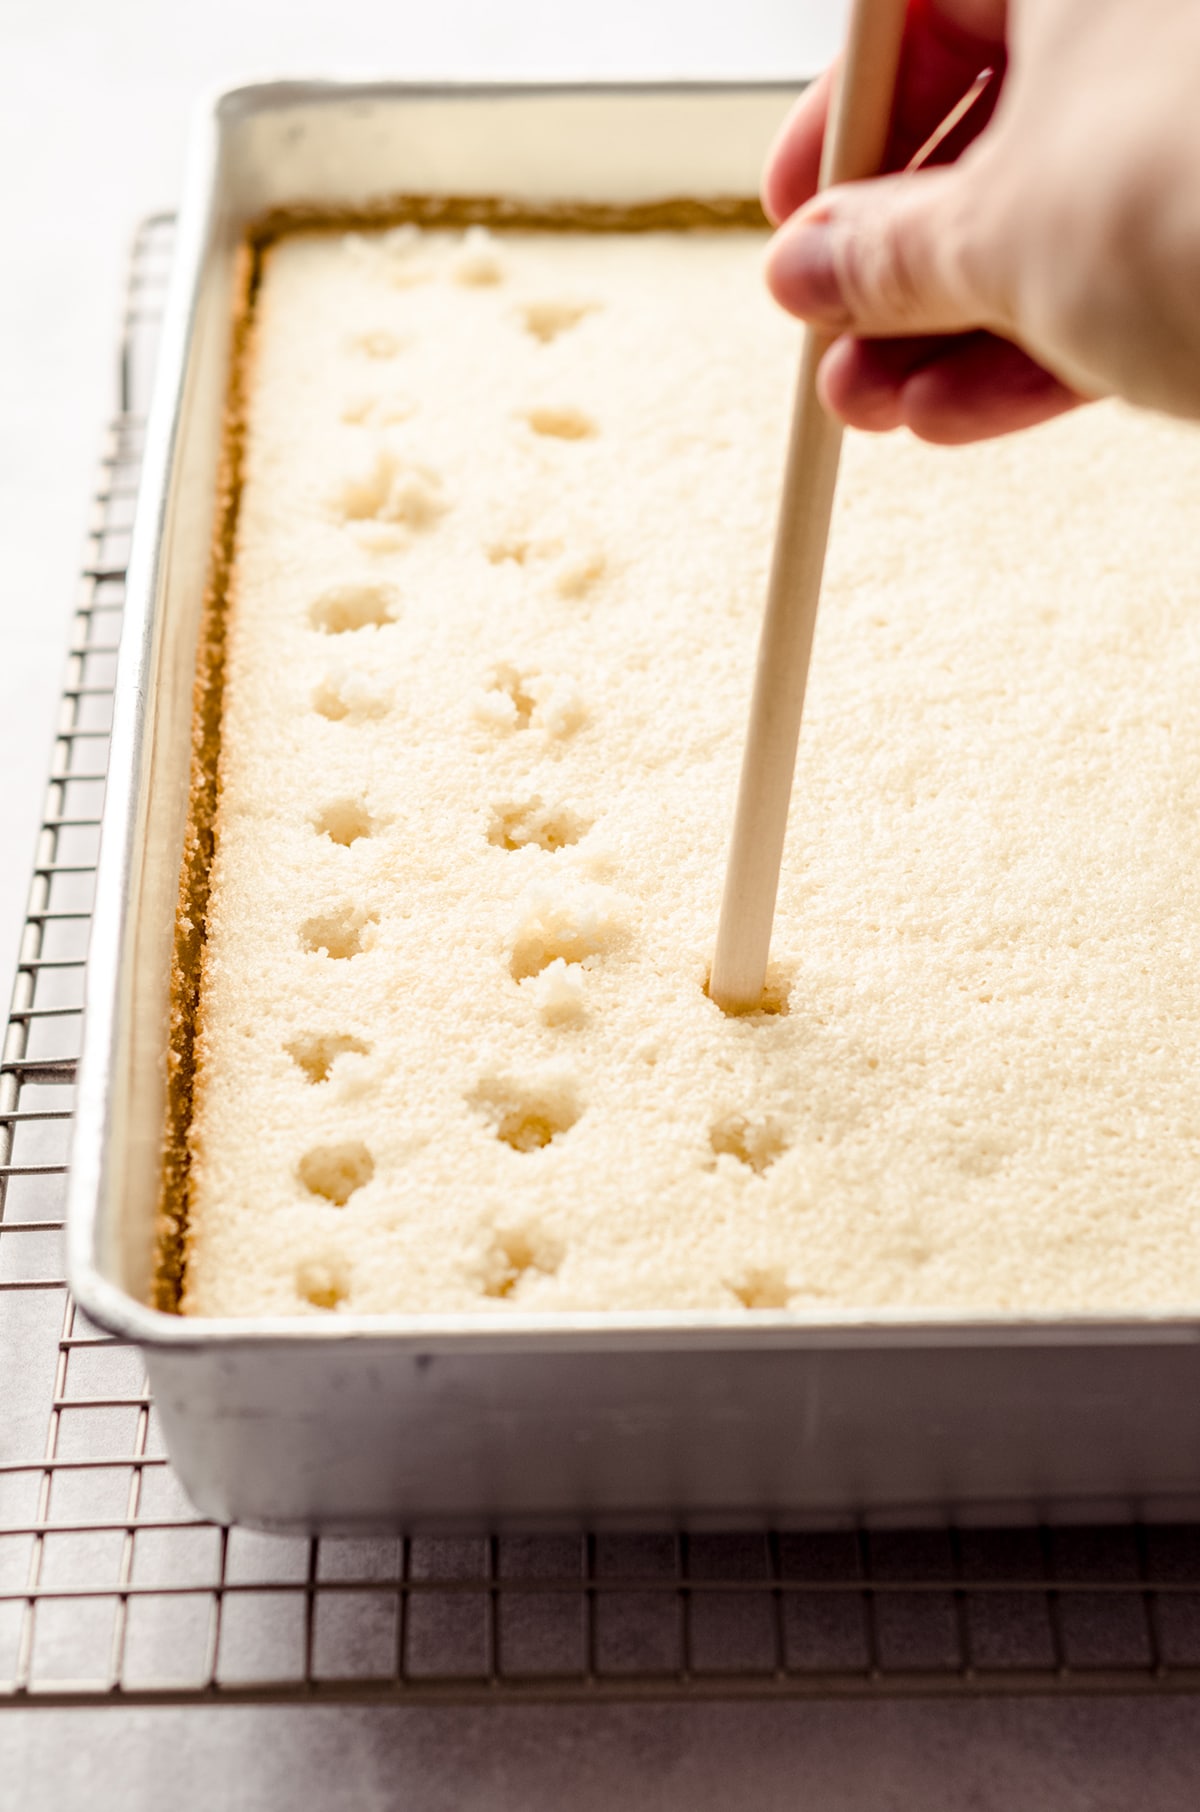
955 117
855 141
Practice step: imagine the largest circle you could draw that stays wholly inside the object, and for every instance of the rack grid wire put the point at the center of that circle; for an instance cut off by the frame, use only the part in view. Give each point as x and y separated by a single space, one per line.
113 1591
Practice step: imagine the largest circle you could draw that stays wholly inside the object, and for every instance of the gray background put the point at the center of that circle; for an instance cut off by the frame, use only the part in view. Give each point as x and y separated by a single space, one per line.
94 103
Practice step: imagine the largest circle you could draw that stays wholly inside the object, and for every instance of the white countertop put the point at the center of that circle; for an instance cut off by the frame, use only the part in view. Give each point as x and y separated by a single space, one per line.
94 103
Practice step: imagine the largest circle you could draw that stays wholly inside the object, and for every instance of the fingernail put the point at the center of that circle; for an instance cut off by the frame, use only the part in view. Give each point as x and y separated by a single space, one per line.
802 274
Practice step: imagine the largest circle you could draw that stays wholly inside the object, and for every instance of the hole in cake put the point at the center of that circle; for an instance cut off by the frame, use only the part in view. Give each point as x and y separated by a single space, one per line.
357 409
774 1002
394 255
557 993
376 343
526 1117
984 1150
520 549
575 578
328 702
507 684
377 411
572 921
518 701
323 1280
342 933
517 824
336 1172
344 822
379 538
756 1144
416 498
317 1053
347 607
351 693
762 1287
477 264
561 424
514 1254
390 489
510 548
546 320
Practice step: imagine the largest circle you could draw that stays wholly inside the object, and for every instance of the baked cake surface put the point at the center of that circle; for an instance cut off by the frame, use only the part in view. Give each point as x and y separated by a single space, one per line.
500 564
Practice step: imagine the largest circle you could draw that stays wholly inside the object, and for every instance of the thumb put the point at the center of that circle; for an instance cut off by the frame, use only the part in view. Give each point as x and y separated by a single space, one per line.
898 255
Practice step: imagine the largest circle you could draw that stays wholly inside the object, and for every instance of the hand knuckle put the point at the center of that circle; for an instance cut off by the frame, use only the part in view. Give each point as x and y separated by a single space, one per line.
883 270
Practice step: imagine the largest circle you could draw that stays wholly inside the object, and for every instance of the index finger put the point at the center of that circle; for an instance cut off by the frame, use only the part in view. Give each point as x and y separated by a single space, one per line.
794 160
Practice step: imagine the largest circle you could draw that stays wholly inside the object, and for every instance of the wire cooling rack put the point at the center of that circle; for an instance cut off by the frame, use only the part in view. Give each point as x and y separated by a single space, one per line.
113 1591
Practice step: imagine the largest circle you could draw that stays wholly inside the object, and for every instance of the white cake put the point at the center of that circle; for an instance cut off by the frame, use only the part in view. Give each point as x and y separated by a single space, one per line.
501 557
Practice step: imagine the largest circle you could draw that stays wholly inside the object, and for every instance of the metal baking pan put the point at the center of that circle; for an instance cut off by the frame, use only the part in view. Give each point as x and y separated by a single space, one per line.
428 1421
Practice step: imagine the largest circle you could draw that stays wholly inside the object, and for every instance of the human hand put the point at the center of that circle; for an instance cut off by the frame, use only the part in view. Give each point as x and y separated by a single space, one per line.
1056 258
